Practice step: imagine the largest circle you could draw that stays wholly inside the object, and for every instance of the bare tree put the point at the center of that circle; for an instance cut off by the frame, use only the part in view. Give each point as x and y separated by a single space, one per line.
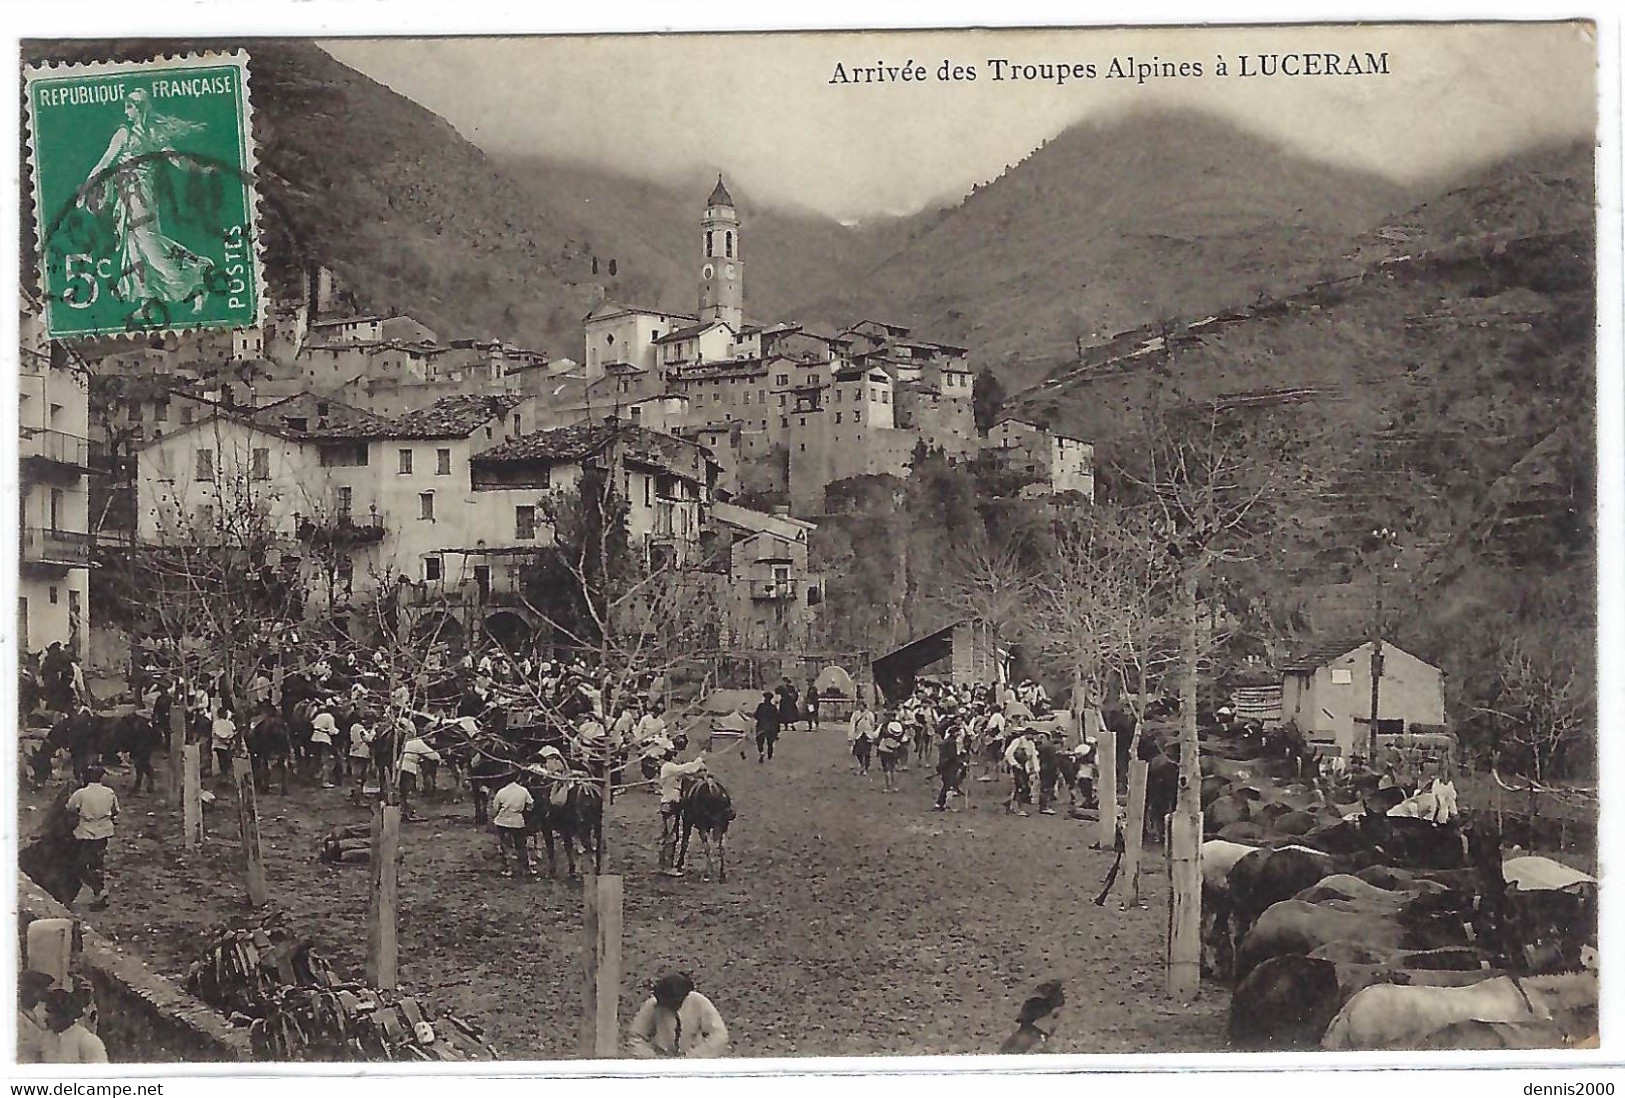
1214 479
990 583
1544 705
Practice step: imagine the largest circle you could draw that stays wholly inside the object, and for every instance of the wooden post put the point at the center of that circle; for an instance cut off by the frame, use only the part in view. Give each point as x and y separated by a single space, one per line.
1185 956
248 829
589 966
601 969
1185 883
381 945
177 741
50 948
191 797
1106 787
1134 829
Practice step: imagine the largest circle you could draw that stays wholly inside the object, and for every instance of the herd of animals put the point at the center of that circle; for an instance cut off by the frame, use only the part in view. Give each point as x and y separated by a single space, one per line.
480 750
1343 921
1339 920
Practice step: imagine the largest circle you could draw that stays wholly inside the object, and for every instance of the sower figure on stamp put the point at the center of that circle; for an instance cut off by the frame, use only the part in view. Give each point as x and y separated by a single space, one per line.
153 266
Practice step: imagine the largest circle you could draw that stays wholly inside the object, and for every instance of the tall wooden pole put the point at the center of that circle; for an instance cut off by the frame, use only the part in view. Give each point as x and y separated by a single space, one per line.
177 742
381 944
1184 958
1376 694
1106 780
1134 827
248 828
191 796
601 968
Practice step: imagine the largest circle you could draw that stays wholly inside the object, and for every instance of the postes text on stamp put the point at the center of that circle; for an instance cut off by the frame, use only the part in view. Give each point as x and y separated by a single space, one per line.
144 199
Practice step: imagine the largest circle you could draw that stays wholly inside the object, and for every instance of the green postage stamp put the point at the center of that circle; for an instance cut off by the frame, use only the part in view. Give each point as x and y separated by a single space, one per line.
144 200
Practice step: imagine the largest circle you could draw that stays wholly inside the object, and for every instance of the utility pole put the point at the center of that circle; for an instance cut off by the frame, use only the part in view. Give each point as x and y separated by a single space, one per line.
1385 539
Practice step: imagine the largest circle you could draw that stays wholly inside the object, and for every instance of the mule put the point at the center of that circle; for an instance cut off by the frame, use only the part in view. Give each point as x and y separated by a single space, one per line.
705 806
571 815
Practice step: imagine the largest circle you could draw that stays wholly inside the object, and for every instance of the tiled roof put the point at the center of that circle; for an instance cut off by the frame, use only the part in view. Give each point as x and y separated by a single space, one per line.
1319 656
688 331
341 420
454 416
582 440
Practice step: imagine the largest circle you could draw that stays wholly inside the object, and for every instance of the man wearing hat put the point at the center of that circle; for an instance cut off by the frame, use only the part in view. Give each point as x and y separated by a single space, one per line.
415 753
672 776
767 727
66 1040
551 764
96 808
676 1021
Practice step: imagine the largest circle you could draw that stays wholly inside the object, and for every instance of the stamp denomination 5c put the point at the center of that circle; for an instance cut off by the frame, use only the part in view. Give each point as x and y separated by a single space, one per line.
144 199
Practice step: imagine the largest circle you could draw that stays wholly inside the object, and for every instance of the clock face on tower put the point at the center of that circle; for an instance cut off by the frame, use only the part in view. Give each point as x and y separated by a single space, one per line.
707 271
729 271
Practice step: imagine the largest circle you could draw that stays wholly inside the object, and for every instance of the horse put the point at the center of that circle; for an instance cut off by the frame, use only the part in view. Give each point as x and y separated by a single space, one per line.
1395 1016
269 745
51 859
571 811
704 805
88 737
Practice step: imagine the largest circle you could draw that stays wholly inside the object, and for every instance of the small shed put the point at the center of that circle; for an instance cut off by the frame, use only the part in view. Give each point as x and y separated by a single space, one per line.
1327 693
972 657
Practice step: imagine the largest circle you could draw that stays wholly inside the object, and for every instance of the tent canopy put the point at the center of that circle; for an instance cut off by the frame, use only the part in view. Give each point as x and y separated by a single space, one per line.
731 722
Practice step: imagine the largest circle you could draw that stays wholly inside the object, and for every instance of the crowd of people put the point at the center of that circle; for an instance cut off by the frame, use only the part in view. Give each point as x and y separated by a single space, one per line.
979 732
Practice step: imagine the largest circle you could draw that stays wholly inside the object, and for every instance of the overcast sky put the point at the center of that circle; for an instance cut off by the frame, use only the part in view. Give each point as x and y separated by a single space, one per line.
760 107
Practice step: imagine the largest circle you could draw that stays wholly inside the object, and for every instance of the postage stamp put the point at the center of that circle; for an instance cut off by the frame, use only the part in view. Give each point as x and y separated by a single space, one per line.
144 199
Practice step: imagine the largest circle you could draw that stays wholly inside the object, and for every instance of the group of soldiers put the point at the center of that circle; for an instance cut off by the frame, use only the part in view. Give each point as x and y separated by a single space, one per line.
990 729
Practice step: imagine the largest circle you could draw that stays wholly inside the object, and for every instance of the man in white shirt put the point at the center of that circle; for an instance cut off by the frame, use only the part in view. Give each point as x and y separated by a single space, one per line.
96 808
1021 759
623 731
861 734
322 730
508 807
672 774
414 752
223 736
650 726
676 1021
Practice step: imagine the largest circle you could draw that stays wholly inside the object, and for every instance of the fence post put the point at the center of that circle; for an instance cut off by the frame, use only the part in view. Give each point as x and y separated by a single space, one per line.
381 941
191 797
1134 828
248 828
601 968
177 741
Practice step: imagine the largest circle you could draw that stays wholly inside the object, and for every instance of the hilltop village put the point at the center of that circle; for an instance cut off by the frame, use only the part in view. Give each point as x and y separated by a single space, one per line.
406 458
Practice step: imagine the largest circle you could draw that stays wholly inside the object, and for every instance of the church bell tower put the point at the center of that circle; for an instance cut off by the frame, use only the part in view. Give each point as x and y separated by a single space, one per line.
722 271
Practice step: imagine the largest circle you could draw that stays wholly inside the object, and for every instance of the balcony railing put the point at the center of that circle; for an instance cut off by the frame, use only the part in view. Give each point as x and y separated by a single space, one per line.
772 590
55 447
343 528
444 595
43 545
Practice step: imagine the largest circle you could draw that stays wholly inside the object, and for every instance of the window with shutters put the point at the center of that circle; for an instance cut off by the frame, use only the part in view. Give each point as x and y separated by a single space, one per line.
405 459
426 505
205 465
524 523
442 463
261 467
431 569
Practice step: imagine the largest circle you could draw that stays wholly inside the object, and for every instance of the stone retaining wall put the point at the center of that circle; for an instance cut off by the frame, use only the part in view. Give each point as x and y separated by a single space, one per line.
141 1016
